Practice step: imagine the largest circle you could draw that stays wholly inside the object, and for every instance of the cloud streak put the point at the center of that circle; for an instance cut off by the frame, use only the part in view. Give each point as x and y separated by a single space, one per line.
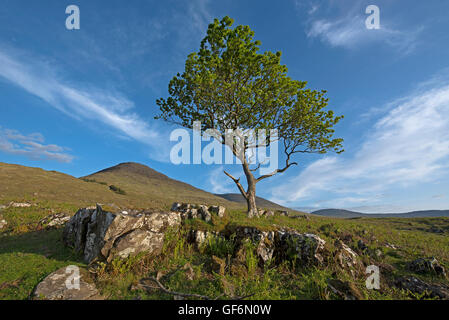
90 103
31 146
409 145
220 183
348 30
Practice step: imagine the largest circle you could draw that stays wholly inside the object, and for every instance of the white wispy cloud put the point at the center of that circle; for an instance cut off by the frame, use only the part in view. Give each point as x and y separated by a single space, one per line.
83 103
350 32
200 14
409 145
344 26
220 183
31 146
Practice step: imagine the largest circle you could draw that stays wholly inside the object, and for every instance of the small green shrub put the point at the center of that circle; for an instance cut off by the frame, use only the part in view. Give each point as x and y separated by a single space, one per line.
220 247
117 190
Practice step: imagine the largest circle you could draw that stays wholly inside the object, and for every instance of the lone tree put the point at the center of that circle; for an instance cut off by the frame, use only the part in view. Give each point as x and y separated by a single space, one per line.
229 84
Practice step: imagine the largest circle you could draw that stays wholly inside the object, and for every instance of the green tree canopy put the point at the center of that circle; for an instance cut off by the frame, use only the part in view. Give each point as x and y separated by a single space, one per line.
228 84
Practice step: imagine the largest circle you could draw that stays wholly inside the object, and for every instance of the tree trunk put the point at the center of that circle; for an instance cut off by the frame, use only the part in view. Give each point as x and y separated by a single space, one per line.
251 192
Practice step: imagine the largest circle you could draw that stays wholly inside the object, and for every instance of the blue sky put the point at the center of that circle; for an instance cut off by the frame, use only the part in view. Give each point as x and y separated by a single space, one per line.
81 100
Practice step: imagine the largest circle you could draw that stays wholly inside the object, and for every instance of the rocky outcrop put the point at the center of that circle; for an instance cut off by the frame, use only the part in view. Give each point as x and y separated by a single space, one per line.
101 235
193 211
199 237
54 220
418 286
427 265
304 248
266 213
301 216
265 241
19 205
346 258
280 245
276 245
218 210
271 213
68 283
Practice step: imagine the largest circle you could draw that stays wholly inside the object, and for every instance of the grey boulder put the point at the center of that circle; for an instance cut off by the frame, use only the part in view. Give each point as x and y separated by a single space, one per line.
104 236
60 285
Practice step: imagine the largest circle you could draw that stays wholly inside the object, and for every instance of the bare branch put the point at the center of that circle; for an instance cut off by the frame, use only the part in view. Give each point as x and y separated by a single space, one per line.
174 293
187 295
288 164
239 185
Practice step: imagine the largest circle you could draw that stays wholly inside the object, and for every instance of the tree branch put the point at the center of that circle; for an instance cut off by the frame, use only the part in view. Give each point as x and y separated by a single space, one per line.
187 295
239 185
174 293
288 164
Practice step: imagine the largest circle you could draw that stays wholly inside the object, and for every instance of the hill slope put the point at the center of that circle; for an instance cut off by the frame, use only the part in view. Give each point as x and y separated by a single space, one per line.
341 213
261 202
143 183
144 187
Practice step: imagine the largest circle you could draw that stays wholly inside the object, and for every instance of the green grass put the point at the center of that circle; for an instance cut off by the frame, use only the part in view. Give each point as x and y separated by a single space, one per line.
27 258
28 254
144 188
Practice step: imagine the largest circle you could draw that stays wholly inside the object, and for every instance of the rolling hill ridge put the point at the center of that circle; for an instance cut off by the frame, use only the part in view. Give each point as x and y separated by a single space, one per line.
341 213
261 202
142 187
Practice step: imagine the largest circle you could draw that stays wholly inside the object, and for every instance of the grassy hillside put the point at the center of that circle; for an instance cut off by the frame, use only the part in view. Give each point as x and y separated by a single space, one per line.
24 183
28 254
261 202
145 185
29 251
142 186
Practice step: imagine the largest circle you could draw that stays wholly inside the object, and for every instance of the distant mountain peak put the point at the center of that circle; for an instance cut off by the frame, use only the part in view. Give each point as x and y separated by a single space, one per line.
133 168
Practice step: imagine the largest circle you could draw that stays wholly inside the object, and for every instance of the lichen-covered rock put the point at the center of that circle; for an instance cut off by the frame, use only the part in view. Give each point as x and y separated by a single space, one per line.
263 239
265 213
218 210
282 245
60 285
305 248
176 206
346 258
427 265
54 220
137 241
101 235
205 214
418 286
199 237
75 231
19 205
192 211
